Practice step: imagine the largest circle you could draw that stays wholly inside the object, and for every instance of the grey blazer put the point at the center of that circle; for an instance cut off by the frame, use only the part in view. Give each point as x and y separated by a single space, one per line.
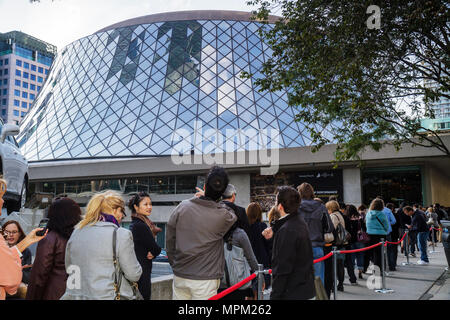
90 250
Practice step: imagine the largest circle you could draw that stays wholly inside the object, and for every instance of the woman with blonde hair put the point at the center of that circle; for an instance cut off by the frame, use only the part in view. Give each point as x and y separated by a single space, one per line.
273 215
336 218
100 254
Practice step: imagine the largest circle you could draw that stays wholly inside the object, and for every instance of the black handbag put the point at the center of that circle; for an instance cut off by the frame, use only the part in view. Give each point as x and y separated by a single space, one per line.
118 275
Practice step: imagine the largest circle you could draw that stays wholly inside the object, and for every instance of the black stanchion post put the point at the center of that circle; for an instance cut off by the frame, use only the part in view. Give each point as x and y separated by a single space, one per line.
260 277
386 259
334 272
383 275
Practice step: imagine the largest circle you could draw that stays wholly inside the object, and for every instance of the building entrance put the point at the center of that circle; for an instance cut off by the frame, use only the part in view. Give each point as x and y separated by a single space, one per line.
394 184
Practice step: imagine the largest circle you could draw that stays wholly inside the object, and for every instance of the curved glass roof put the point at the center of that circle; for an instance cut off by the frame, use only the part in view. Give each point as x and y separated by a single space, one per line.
123 92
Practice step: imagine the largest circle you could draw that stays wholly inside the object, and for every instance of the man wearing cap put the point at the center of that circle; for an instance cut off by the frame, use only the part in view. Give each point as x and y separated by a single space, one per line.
229 199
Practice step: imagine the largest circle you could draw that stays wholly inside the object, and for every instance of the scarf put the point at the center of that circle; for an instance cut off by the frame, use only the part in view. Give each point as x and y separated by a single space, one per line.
155 230
108 218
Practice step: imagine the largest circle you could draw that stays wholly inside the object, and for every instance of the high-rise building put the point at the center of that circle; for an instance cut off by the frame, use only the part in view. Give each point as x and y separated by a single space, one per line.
441 109
24 65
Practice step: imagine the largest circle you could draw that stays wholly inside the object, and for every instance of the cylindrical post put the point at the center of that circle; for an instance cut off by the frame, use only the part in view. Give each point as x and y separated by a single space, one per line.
407 246
386 259
260 281
383 267
432 237
334 273
383 250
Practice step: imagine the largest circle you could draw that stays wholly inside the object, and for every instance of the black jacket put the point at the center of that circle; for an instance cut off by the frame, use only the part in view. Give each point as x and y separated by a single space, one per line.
419 221
395 234
404 220
144 242
317 219
26 260
292 260
241 215
261 247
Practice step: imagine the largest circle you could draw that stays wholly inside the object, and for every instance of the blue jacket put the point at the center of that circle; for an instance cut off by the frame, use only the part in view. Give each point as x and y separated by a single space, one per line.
376 226
390 217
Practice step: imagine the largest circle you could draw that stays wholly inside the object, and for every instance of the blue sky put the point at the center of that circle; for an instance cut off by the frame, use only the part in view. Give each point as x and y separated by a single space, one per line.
61 22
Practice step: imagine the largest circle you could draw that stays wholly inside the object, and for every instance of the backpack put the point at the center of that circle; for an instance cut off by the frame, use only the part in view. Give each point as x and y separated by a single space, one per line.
236 266
341 235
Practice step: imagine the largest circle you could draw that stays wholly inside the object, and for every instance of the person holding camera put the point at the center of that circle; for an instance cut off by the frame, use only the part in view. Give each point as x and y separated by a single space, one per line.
10 258
48 276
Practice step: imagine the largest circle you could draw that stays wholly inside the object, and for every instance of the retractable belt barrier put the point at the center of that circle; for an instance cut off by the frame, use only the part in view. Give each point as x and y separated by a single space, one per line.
269 271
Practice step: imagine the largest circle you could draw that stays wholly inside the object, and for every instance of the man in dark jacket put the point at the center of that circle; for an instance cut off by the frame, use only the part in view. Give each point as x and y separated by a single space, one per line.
419 225
292 257
319 222
229 199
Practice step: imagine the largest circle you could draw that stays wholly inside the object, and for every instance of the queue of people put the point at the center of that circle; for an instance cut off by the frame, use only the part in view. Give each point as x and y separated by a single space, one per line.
211 243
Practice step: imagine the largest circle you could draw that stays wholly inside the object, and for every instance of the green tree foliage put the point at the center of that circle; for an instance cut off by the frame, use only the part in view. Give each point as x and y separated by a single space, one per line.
370 83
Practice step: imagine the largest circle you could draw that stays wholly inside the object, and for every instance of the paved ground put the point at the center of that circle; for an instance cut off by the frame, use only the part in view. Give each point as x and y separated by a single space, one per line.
409 282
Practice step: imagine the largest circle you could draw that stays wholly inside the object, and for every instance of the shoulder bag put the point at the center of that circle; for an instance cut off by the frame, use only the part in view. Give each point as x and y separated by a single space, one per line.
236 265
118 275
362 236
342 235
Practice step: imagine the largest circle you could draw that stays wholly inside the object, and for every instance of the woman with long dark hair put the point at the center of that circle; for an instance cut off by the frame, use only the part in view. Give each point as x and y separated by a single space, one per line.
13 234
48 276
145 245
261 247
355 225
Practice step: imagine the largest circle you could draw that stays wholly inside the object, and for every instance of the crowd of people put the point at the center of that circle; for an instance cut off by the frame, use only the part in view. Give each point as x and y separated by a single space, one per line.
211 244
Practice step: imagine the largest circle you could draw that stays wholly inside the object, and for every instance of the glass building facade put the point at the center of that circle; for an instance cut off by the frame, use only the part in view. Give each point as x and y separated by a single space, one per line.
123 91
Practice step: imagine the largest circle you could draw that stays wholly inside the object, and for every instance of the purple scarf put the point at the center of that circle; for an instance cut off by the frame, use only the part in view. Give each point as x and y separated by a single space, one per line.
108 218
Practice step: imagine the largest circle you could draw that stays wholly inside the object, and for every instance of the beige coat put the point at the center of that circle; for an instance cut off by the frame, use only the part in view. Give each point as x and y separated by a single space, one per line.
337 218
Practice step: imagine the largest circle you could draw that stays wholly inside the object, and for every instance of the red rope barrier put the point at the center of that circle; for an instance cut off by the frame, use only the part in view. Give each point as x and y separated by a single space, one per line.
398 242
439 229
323 258
253 276
362 249
233 288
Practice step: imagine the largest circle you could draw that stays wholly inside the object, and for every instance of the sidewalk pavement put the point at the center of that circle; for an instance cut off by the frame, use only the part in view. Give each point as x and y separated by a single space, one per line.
410 282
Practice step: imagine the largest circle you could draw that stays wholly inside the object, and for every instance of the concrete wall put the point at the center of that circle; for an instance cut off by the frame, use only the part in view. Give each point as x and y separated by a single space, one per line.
439 187
242 183
162 288
352 186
